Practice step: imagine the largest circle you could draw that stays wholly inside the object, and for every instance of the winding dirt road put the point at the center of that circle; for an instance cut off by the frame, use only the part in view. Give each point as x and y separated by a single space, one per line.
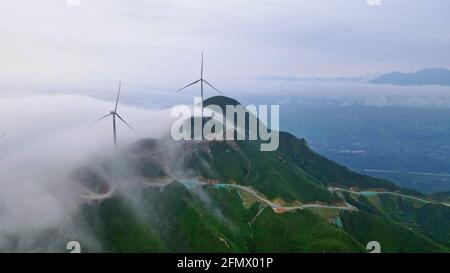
92 196
278 208
335 189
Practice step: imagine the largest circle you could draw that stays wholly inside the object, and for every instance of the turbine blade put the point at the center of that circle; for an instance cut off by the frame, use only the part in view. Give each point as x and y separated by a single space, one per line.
125 122
99 119
118 95
188 85
212 86
201 72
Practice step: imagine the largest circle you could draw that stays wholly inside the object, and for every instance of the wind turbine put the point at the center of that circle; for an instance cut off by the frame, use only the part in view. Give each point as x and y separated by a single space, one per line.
114 114
201 81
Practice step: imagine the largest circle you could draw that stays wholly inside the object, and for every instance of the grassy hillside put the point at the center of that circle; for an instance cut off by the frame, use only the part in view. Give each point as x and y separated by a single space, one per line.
392 237
176 220
179 218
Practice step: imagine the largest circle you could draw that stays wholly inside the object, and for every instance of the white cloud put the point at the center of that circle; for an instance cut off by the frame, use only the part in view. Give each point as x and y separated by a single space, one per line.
47 139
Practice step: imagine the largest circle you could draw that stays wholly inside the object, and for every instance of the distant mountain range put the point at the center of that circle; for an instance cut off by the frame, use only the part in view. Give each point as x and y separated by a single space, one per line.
429 76
292 78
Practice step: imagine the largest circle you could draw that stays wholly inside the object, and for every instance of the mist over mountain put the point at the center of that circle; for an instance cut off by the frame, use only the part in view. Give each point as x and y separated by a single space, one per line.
429 76
47 138
159 195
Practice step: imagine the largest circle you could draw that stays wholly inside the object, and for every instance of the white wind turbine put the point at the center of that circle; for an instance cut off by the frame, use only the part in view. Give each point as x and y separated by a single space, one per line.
201 81
114 114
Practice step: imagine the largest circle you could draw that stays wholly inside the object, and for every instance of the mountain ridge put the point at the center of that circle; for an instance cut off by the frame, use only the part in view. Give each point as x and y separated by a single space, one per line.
427 76
161 195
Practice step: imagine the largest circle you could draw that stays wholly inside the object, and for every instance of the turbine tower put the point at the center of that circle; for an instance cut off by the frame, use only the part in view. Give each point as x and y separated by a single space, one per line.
114 114
202 81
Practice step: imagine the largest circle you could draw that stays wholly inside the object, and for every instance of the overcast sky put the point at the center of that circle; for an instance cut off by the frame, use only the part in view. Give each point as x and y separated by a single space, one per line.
157 43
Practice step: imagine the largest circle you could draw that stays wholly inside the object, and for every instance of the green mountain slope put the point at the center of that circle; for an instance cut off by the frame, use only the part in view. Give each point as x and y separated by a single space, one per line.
227 196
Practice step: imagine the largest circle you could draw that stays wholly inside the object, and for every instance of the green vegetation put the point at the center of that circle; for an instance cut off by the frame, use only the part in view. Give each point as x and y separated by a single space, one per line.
270 174
300 232
119 229
367 227
174 218
325 170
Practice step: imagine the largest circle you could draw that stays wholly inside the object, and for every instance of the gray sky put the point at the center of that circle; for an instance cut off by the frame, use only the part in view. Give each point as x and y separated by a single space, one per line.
157 43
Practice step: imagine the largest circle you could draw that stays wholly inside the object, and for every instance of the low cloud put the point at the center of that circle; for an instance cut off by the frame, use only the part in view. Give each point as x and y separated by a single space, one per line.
47 139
